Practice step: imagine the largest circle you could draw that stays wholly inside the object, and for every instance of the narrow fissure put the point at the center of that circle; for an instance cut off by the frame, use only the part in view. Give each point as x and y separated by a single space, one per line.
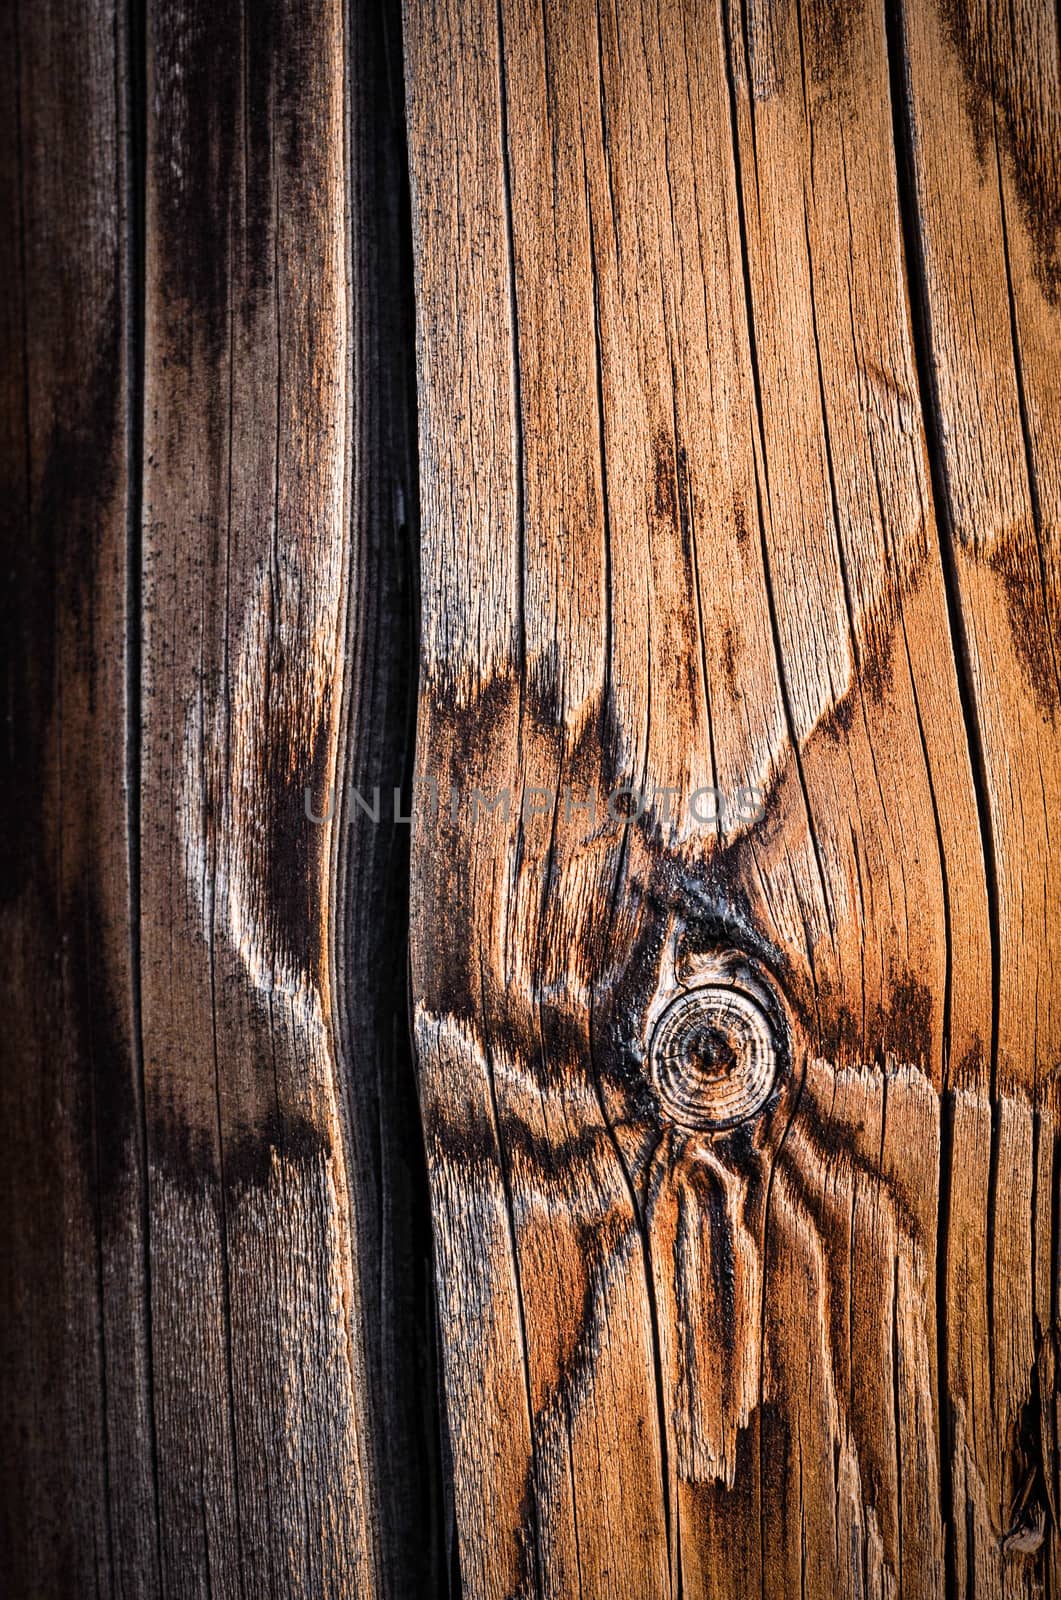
417 1547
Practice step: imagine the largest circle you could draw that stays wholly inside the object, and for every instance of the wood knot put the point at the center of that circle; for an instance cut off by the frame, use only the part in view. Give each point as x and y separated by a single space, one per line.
714 1057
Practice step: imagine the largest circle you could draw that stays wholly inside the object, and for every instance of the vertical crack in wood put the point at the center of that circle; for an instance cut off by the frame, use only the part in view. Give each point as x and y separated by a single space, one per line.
406 1445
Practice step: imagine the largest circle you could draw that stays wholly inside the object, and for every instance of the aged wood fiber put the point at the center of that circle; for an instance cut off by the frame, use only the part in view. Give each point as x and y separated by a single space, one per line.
216 1330
737 340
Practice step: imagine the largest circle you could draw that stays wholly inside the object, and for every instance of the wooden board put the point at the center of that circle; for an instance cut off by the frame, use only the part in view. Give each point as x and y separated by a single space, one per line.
78 1496
732 911
737 435
217 1359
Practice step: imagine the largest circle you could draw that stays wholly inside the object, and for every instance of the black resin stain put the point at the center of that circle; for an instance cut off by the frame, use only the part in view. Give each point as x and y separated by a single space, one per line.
188 1154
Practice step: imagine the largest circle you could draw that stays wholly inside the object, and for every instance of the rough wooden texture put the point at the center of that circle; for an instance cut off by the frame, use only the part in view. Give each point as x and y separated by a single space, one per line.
76 1467
214 1242
737 337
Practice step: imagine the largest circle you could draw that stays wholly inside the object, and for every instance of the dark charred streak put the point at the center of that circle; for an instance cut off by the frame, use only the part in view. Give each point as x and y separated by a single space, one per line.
52 595
675 506
877 648
1027 125
839 719
466 745
827 26
901 1027
288 847
459 744
666 502
468 1141
605 1245
833 1147
1014 561
685 503
544 701
741 531
775 1464
840 1037
466 737
1027 1499
601 759
971 1072
526 1536
185 1151
904 1027
741 1148
197 65
875 673
729 664
605 1250
711 1205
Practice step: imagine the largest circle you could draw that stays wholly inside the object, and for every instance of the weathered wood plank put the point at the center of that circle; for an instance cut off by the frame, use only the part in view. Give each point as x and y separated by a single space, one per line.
77 1465
273 404
683 526
215 1233
981 101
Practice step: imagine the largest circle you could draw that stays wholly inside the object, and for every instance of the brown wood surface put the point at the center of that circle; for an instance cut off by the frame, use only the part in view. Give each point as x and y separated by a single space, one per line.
737 339
77 1462
217 1333
734 364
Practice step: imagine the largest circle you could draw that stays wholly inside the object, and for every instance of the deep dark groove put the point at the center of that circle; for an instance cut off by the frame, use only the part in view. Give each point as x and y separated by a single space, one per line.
904 138
946 1145
136 348
407 1441
444 1556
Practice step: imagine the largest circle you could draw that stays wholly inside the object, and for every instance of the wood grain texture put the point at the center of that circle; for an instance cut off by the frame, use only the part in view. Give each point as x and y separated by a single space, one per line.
735 328
77 1464
215 1235
982 106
